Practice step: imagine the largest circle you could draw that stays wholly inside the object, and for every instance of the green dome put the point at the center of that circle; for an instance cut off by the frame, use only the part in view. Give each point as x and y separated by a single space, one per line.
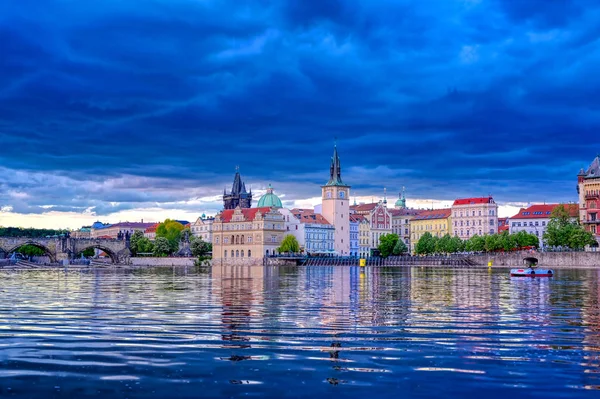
270 199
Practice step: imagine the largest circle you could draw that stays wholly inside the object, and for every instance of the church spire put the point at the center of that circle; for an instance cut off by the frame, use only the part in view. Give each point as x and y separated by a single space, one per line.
335 170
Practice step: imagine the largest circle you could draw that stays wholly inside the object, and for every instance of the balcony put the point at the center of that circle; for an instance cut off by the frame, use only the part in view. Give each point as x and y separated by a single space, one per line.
592 196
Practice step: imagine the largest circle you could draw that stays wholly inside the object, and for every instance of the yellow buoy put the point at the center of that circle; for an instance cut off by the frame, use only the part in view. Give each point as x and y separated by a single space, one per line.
491 263
362 262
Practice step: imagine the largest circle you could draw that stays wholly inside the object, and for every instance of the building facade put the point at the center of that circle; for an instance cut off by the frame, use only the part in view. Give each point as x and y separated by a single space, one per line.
471 216
588 189
202 228
435 221
503 225
336 206
364 232
354 224
245 236
113 230
535 219
401 218
238 196
313 232
380 221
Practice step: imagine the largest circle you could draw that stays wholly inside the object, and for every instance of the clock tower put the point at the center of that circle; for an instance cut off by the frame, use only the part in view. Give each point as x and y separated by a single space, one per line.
336 206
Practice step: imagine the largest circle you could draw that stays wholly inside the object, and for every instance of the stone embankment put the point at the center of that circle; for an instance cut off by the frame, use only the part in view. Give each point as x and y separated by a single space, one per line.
162 261
546 259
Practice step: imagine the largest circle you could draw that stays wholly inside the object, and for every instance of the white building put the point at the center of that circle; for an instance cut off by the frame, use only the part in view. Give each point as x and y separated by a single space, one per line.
471 216
535 219
203 228
313 232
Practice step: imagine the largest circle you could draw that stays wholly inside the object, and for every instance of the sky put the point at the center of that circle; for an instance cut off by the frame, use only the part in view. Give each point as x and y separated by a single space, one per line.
120 110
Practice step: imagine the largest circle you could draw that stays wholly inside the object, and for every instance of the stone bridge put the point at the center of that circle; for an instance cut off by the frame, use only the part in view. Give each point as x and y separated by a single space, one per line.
64 248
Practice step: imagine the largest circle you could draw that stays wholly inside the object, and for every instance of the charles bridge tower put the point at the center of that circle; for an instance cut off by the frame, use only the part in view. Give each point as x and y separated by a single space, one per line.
238 195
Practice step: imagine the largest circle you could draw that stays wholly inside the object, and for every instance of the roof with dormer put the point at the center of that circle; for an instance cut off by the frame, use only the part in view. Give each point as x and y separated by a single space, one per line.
433 214
249 213
474 201
544 211
593 171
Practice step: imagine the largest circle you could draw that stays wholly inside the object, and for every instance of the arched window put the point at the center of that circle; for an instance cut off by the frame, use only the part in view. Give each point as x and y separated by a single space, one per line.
249 253
242 253
267 252
225 253
242 240
232 239
237 254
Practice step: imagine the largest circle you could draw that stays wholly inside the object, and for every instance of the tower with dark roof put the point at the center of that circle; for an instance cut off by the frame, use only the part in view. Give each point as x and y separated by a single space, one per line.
336 205
238 195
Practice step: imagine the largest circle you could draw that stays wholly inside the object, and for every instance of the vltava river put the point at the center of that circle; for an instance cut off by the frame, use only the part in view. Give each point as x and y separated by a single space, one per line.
298 332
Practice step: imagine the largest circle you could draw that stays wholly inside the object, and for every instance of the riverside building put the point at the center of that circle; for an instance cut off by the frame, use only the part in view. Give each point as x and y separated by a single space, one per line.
435 221
588 189
471 216
535 218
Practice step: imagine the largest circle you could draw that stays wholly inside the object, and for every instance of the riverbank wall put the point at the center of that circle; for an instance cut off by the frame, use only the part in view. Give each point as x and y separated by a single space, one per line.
546 259
162 261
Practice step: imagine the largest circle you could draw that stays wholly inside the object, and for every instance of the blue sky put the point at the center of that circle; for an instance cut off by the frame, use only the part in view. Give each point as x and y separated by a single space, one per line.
118 109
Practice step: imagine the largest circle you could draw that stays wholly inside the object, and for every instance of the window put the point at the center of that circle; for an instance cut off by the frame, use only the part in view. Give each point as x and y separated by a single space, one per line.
225 253
492 223
249 240
249 253
242 253
543 223
237 254
217 240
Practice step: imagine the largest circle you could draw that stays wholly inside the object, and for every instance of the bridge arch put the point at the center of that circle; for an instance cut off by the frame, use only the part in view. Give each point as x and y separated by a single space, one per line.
34 243
111 254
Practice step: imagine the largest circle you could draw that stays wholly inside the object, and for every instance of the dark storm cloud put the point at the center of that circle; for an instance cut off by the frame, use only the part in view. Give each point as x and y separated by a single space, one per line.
448 98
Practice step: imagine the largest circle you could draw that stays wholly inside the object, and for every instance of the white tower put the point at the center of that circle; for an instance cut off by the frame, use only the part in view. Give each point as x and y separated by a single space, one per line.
336 206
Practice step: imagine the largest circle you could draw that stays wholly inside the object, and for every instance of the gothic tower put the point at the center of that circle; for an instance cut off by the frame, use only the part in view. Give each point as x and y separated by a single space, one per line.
336 206
238 195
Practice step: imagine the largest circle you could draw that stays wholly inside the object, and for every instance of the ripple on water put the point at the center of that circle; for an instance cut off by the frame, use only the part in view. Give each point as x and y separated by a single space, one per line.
297 332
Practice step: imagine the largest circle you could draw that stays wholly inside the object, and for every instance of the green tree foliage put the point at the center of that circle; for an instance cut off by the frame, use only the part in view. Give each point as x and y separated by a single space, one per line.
400 248
442 245
162 247
524 239
426 244
475 244
134 241
492 242
387 242
30 250
88 253
289 244
565 231
171 230
200 248
29 232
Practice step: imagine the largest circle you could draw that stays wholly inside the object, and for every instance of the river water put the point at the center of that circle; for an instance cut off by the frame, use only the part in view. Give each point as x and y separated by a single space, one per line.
298 332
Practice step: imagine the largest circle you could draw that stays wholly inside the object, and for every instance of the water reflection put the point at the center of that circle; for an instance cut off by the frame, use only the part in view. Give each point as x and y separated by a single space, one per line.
295 332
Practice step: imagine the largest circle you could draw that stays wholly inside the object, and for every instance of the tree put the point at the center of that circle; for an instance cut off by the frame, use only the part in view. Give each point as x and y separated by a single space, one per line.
475 244
387 242
171 230
493 242
456 245
400 248
161 247
30 250
508 241
144 246
426 244
289 244
563 230
134 242
443 245
200 248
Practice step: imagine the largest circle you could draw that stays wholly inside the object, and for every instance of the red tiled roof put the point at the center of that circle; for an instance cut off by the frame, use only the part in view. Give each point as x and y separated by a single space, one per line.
152 229
313 218
404 212
357 218
364 207
544 211
472 201
249 213
433 214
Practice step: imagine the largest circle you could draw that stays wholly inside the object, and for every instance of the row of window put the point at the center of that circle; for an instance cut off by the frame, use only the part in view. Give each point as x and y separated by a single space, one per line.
472 213
518 224
466 223
237 253
468 232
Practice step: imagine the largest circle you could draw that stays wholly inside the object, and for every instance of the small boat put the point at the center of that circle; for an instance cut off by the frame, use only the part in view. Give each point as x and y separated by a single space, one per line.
531 270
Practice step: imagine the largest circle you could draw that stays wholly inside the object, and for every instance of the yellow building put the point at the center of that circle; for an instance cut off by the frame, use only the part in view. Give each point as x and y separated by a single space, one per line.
436 221
245 236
